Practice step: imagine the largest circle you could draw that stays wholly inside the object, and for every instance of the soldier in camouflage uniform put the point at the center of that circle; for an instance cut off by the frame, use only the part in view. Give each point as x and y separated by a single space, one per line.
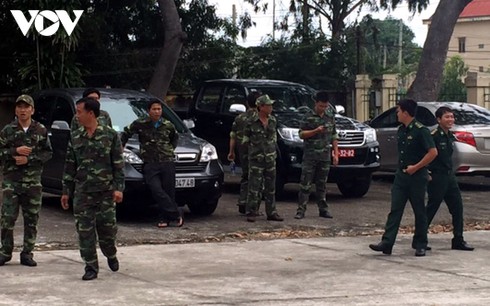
24 147
158 139
318 132
261 136
237 140
94 177
103 119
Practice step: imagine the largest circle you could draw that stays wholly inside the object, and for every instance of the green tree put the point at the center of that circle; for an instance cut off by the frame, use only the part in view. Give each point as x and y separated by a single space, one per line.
453 88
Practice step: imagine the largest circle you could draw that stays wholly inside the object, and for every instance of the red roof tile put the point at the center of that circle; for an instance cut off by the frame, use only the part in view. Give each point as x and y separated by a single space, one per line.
476 8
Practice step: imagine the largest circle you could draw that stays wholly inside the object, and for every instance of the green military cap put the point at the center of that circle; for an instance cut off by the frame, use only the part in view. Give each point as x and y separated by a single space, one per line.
26 99
264 100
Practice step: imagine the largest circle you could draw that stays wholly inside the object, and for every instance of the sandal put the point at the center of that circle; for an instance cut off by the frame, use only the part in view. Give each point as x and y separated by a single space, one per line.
162 224
176 223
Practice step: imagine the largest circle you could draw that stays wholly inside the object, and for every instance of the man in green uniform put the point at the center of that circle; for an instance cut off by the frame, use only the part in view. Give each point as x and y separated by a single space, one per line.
237 140
416 150
261 136
158 140
318 132
443 184
94 178
24 148
103 118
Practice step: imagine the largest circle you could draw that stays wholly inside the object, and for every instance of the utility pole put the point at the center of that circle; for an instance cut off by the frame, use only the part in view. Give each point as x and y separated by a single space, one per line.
233 17
273 20
400 46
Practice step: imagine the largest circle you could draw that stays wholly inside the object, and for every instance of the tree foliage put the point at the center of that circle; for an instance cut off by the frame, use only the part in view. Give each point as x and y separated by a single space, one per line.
453 88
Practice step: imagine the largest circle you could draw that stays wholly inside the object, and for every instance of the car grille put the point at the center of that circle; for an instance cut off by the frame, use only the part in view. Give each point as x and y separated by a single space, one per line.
184 163
350 138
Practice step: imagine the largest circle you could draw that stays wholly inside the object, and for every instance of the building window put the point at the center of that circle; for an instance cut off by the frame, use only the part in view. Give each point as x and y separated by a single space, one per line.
480 68
462 44
481 46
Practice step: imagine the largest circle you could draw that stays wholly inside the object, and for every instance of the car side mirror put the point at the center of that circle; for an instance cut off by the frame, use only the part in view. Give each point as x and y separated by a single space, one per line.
189 123
60 125
237 108
340 109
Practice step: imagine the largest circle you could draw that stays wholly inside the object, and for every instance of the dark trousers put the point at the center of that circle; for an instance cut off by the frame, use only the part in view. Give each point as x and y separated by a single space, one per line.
160 178
444 186
243 154
313 172
408 187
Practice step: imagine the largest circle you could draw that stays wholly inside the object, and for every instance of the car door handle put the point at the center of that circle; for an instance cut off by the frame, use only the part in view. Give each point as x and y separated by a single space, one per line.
218 122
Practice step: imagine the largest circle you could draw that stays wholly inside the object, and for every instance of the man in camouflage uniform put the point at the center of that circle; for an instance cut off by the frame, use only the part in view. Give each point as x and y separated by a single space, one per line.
237 140
318 132
103 119
24 147
158 139
261 136
443 184
94 177
416 150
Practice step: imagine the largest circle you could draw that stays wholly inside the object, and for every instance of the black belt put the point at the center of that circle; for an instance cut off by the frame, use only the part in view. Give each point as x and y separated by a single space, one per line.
442 171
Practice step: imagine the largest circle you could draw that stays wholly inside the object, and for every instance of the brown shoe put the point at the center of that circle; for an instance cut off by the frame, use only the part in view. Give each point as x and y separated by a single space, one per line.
275 217
251 217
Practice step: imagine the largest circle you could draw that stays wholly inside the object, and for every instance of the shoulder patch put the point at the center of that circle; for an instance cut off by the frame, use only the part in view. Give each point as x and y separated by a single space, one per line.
433 132
419 125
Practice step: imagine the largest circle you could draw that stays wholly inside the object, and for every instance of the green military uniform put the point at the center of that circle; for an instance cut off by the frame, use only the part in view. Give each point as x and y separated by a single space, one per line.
22 183
414 141
261 164
94 169
103 119
444 185
158 141
237 133
316 158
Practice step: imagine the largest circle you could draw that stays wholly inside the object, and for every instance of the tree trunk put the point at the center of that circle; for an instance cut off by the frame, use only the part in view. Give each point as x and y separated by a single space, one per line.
174 38
427 83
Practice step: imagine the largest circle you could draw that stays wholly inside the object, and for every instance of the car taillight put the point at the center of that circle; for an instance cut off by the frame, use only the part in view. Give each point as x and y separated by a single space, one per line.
465 137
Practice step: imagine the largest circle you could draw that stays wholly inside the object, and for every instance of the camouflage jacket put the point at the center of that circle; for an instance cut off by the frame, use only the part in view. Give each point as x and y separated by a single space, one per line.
318 146
36 137
261 140
157 144
238 127
94 163
103 119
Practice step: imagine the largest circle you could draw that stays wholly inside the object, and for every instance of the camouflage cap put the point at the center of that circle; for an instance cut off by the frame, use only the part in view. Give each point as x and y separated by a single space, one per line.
26 99
264 100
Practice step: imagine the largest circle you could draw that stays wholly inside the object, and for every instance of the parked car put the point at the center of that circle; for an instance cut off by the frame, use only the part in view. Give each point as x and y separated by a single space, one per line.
199 173
471 154
217 102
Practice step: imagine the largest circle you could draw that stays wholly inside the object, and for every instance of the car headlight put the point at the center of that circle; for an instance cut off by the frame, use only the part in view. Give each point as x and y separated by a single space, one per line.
291 134
208 152
131 158
370 135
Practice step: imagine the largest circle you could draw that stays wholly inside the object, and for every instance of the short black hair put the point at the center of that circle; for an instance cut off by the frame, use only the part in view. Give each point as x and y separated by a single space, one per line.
90 104
442 110
252 98
322 96
153 101
90 90
408 105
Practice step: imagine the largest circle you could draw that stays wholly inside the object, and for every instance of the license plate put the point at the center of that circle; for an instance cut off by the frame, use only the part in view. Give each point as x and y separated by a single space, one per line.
186 182
346 153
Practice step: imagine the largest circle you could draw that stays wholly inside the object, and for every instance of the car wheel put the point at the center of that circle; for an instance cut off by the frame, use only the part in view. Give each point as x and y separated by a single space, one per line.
204 208
355 187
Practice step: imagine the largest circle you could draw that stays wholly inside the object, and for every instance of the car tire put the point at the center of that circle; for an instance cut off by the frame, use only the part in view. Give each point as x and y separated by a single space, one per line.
203 208
355 187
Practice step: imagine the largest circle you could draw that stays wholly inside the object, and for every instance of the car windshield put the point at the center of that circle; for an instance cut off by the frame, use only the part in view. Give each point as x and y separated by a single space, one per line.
288 98
124 111
471 114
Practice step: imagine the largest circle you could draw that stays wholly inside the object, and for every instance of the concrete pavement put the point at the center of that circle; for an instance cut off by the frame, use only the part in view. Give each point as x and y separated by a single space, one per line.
317 271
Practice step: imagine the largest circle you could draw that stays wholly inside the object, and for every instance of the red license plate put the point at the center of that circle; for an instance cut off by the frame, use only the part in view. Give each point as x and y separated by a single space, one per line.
346 153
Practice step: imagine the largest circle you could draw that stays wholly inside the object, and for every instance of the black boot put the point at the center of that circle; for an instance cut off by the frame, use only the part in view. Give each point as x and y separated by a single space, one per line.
381 247
27 260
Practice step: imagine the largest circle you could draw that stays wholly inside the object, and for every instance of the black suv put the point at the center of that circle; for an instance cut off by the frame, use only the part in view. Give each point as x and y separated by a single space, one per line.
217 102
199 173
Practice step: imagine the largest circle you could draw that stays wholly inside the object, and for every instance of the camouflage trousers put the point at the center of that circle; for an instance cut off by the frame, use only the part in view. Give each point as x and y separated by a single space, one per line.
95 216
16 196
261 185
313 172
243 154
